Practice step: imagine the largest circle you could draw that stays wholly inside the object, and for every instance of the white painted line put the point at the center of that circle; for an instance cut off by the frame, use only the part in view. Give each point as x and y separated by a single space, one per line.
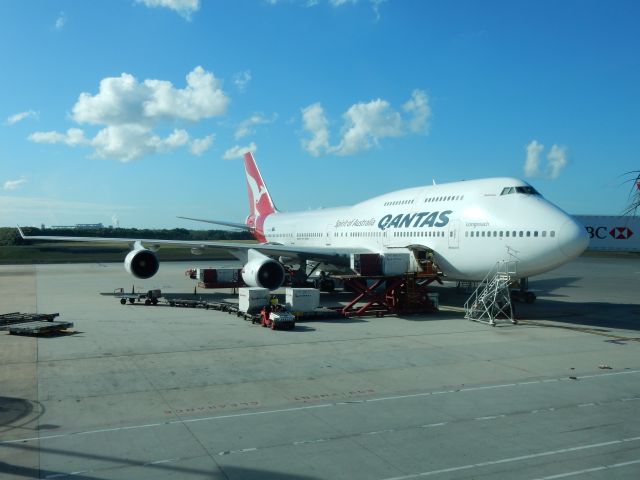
590 470
306 442
515 459
391 430
490 417
159 462
430 425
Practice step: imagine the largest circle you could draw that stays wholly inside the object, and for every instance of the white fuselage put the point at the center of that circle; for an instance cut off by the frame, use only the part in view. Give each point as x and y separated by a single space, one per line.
469 225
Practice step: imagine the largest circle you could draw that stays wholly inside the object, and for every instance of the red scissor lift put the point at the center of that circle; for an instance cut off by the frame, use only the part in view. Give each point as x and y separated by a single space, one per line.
389 295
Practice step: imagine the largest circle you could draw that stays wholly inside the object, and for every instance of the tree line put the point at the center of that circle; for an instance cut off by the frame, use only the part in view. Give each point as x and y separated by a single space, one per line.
10 236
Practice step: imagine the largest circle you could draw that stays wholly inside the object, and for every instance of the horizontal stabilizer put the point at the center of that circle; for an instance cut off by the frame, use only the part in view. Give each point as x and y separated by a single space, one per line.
241 226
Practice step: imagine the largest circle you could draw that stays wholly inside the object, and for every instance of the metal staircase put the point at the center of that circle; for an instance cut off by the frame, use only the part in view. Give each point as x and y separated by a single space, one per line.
492 300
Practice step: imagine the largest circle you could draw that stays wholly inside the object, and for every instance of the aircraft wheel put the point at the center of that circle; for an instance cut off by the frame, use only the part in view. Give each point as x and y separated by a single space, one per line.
147 302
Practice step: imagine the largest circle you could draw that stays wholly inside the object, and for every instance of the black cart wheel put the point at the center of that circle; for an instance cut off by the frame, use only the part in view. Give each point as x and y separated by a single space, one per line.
123 301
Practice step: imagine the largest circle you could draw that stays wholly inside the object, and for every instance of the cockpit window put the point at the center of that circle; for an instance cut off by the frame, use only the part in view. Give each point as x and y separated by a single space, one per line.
526 190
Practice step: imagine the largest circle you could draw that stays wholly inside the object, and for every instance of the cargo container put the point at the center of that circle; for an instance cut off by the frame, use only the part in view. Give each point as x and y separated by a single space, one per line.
252 299
302 299
366 264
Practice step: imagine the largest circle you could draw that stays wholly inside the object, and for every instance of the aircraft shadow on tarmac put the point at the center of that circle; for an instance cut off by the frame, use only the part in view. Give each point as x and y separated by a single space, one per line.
599 315
222 472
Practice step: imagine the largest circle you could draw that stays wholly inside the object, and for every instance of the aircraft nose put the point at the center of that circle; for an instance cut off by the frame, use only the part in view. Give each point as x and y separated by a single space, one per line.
572 238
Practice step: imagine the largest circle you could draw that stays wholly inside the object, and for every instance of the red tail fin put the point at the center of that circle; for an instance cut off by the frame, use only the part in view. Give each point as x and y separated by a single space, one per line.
260 203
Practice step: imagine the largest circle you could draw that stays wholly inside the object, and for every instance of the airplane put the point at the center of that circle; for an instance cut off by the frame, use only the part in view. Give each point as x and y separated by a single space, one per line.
465 227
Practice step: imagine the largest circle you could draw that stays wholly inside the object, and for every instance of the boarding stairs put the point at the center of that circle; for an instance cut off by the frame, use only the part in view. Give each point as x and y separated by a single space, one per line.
491 301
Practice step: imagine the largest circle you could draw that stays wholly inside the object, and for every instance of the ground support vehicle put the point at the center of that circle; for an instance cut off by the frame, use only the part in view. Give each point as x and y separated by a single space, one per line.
150 297
276 319
32 323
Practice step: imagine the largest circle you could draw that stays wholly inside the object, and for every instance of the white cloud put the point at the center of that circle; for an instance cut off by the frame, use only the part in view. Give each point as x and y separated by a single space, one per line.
183 7
123 100
532 163
18 117
13 184
557 159
200 145
315 121
61 21
129 111
375 4
238 152
241 80
73 137
418 105
130 142
365 124
245 126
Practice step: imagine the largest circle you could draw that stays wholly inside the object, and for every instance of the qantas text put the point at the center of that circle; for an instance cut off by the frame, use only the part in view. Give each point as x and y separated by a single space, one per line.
415 220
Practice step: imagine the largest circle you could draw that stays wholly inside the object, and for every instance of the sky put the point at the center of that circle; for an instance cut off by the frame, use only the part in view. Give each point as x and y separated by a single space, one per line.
132 112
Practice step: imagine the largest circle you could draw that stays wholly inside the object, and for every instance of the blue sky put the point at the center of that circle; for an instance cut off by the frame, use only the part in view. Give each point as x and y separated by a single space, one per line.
135 111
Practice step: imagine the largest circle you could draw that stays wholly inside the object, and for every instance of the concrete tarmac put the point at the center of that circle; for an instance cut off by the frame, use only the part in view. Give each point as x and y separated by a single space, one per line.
158 392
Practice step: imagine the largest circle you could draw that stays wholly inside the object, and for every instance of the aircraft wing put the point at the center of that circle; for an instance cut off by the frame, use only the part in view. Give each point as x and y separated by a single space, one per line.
339 255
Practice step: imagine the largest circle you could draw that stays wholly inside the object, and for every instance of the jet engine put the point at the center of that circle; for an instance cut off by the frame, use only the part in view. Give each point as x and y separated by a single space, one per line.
264 272
141 263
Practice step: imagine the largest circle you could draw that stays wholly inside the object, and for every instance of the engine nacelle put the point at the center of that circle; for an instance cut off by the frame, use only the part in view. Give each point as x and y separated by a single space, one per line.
263 272
141 263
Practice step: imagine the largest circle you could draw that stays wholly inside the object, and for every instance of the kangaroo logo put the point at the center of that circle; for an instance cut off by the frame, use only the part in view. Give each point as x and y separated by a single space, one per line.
260 203
256 193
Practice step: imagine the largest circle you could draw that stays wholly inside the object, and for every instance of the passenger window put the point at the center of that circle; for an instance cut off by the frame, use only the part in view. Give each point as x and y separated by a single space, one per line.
521 234
528 233
552 233
544 233
535 234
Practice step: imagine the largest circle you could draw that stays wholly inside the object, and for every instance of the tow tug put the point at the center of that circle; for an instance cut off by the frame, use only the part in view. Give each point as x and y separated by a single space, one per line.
150 297
276 317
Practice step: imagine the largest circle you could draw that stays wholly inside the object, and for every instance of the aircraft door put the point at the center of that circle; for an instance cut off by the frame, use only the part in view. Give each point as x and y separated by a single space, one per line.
454 234
328 234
